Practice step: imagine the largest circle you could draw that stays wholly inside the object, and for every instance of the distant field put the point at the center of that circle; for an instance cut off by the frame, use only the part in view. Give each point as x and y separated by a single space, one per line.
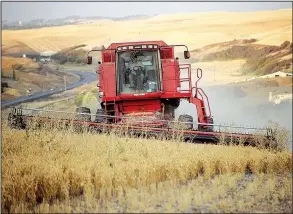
208 32
194 30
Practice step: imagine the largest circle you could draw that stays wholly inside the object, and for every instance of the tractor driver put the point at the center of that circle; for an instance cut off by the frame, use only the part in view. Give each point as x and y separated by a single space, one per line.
136 72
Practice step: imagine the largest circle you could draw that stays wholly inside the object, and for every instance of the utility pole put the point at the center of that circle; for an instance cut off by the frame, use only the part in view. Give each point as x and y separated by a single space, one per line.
64 82
13 74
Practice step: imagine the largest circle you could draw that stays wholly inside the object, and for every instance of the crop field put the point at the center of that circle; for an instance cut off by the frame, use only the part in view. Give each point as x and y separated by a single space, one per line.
57 170
194 30
52 169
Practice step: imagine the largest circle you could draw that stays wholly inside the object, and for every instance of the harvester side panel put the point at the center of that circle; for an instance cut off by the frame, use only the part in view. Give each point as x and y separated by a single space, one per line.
141 106
167 53
100 78
171 75
108 56
108 80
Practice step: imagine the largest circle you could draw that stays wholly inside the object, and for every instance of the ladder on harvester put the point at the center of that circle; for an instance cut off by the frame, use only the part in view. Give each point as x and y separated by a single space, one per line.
111 110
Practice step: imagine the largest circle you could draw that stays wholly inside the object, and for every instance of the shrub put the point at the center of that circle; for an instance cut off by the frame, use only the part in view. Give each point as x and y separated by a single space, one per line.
63 60
245 41
17 66
95 90
285 44
79 99
87 98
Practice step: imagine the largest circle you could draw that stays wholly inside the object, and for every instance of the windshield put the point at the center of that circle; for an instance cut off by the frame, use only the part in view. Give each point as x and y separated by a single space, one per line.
137 72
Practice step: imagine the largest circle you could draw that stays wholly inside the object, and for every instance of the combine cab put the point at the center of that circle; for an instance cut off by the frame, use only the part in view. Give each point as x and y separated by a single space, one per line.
140 86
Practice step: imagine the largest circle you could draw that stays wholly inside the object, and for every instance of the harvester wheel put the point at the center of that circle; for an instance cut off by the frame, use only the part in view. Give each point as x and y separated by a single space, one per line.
99 118
207 128
82 117
210 121
186 118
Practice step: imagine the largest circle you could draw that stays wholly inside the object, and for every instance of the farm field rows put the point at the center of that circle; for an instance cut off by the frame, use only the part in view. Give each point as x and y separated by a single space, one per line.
194 30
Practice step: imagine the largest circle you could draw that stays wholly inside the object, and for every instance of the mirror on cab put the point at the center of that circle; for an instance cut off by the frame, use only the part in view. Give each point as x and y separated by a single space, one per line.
89 60
186 54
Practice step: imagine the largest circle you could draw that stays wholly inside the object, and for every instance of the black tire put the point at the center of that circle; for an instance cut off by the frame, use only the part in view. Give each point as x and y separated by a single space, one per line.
99 118
207 128
186 118
82 117
210 121
174 102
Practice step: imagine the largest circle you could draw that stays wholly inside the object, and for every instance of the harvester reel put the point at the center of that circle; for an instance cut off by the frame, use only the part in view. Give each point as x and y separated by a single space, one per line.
82 122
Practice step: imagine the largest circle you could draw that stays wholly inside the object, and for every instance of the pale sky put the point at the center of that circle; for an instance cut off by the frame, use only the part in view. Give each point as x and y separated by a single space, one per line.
25 11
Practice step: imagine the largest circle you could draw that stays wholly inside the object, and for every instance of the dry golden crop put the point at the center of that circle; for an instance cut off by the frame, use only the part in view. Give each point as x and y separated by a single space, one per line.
47 170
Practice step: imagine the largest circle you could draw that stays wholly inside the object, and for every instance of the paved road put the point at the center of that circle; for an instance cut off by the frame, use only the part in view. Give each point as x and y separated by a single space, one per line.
85 78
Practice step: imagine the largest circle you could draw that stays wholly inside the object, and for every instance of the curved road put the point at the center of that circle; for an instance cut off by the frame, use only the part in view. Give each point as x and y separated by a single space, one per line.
85 78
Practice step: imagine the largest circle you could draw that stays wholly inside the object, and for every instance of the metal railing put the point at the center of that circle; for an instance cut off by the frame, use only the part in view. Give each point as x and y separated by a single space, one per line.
183 68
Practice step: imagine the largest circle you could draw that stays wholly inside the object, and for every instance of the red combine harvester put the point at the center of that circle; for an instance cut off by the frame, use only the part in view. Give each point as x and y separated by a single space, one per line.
143 79
140 86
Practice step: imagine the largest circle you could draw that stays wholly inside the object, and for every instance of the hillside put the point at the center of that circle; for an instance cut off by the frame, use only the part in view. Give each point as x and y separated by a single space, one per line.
195 30
258 59
40 23
29 77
